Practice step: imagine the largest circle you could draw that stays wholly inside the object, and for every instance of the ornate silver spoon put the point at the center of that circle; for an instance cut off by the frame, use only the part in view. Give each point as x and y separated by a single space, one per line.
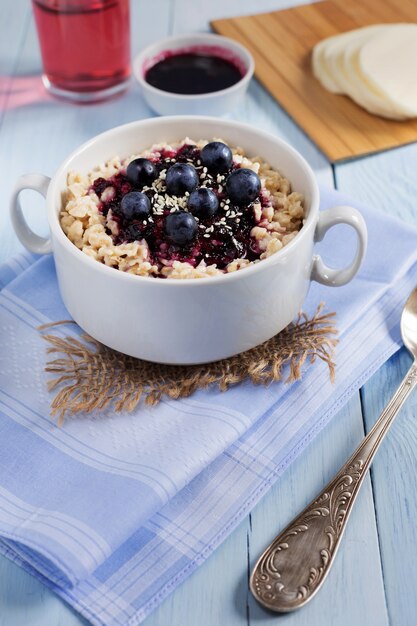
293 568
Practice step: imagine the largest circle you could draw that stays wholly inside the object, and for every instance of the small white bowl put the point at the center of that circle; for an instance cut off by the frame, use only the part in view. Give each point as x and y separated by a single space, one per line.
212 103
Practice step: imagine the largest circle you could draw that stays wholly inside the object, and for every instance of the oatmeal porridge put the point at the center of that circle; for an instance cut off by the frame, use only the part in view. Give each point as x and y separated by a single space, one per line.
187 210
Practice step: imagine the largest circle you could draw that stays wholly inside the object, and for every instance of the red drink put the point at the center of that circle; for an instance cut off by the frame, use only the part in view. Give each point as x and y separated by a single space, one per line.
85 46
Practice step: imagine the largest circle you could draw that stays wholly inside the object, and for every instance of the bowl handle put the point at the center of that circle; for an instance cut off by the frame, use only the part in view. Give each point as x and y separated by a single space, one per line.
331 217
31 241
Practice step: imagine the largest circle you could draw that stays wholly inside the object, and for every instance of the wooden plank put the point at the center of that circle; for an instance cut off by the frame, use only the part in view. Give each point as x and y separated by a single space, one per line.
215 594
387 181
11 43
15 24
394 480
338 126
345 598
25 601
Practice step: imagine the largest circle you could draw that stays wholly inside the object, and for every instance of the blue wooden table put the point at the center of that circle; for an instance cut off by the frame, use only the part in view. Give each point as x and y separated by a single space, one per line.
374 579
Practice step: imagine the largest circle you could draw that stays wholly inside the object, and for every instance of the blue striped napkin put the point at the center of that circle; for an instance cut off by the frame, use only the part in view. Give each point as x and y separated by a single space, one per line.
113 511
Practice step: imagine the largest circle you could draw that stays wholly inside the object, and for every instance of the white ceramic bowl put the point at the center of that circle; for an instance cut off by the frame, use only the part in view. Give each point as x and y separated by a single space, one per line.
196 320
214 103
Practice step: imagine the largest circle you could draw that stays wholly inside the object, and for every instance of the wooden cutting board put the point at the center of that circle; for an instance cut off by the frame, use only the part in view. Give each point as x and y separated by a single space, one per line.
281 43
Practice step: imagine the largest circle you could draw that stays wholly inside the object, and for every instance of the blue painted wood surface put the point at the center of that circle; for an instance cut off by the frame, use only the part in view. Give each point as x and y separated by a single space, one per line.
374 578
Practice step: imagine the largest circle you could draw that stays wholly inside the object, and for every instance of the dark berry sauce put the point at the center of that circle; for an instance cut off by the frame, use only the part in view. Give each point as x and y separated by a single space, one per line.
220 239
192 74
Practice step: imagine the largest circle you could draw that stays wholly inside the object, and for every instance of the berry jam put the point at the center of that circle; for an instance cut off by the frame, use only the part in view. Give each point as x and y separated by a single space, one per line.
193 73
220 238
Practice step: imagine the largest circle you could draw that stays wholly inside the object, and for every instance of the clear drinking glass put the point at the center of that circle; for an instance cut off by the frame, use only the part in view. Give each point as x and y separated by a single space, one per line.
85 47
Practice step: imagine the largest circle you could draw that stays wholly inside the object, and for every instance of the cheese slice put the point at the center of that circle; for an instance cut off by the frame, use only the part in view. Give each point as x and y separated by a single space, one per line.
328 50
335 48
320 69
375 65
356 84
389 65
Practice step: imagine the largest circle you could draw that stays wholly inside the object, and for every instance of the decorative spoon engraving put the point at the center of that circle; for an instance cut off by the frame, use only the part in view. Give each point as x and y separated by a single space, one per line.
294 566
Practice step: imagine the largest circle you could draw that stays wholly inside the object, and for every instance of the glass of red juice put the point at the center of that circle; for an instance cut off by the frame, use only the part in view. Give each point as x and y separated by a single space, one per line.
85 46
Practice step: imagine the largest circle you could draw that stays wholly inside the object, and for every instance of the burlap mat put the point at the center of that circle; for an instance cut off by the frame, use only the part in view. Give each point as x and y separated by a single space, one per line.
91 377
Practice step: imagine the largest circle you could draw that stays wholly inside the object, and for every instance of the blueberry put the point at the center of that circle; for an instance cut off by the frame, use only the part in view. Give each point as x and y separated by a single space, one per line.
243 186
181 228
203 203
217 157
141 172
180 178
135 206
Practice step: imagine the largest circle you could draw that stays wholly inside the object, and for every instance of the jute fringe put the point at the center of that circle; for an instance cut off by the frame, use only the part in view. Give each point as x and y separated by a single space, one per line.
90 377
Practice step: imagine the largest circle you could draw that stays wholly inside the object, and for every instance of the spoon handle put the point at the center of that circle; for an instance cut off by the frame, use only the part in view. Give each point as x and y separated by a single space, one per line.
294 566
